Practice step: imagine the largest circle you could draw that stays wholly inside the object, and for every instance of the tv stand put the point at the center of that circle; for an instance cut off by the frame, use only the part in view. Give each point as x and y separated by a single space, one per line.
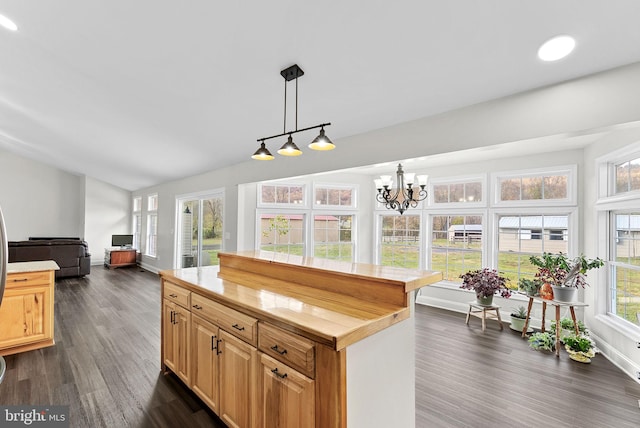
116 257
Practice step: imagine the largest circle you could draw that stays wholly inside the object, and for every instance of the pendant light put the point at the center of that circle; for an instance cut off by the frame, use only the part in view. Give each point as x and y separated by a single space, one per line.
289 148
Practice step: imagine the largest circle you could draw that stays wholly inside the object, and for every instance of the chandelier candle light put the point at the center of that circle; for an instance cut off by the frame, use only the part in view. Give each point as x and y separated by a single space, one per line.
407 194
321 142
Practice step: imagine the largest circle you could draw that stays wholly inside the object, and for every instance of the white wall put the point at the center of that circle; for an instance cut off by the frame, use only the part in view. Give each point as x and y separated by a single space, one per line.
107 211
39 200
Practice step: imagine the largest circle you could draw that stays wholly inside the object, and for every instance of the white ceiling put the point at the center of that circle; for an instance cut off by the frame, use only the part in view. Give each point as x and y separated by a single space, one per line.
141 92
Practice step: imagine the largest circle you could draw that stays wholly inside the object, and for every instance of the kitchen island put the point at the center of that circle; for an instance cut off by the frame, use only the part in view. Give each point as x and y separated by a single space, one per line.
26 314
271 339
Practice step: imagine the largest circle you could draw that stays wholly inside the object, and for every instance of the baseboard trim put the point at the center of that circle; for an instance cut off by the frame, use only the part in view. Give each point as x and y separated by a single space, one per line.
617 359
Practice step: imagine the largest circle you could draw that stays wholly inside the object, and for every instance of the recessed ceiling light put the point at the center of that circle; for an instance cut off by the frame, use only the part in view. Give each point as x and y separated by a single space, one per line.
556 48
7 23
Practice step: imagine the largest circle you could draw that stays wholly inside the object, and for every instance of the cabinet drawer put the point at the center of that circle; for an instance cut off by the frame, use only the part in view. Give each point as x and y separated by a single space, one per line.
177 294
27 279
206 308
291 349
240 325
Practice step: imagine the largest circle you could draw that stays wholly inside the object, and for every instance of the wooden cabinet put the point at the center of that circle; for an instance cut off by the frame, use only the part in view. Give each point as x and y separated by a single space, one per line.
287 398
116 257
26 313
238 378
176 341
204 366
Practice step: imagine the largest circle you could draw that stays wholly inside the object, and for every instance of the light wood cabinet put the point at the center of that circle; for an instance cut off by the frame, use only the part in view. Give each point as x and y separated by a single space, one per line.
238 378
271 335
204 367
26 313
176 341
287 398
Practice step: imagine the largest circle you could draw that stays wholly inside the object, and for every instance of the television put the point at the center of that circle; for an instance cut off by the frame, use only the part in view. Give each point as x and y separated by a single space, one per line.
122 241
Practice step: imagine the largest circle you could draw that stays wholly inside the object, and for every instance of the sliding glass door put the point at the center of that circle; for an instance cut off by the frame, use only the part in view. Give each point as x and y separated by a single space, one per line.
199 233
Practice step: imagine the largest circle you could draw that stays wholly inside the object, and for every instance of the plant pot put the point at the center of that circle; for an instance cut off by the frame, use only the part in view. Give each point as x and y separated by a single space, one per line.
546 291
517 324
579 356
565 294
484 301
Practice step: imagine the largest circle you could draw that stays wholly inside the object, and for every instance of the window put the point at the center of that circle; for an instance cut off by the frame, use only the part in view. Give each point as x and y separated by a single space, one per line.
400 240
136 222
282 233
332 237
456 244
281 194
625 266
627 176
532 187
521 236
334 196
152 234
200 229
152 225
452 192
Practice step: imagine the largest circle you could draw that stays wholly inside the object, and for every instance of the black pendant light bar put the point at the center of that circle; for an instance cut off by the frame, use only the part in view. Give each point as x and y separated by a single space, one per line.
293 132
321 142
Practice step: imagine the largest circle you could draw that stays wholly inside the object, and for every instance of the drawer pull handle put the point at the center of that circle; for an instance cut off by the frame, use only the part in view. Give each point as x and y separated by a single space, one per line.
218 350
275 348
197 307
214 343
173 295
237 327
277 373
21 280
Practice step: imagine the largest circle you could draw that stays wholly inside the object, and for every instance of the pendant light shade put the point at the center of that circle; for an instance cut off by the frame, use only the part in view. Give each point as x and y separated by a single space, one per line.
322 142
262 153
289 148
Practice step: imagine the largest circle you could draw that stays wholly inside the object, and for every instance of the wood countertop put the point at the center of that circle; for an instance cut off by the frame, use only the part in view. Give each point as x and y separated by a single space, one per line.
333 303
22 267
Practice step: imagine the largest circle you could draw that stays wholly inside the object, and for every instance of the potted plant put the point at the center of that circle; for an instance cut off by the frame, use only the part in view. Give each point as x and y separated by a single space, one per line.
563 274
567 328
485 282
580 348
543 341
529 286
518 318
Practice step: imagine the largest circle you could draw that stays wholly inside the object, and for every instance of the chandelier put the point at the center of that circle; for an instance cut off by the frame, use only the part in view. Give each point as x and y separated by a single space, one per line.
407 193
321 142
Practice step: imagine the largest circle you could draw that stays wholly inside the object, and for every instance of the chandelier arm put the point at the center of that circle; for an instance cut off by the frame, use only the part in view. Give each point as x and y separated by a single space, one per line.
293 132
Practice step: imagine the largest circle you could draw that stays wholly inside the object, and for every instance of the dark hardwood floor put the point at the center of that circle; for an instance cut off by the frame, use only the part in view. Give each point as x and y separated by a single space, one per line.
106 361
105 366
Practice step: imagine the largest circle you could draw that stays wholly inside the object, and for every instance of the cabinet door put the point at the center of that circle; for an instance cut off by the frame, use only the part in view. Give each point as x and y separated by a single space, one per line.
287 397
204 374
25 316
168 333
182 343
238 377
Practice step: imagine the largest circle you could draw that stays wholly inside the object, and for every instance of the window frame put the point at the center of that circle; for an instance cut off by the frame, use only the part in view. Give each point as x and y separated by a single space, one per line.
572 186
354 197
152 212
280 206
608 204
379 214
467 179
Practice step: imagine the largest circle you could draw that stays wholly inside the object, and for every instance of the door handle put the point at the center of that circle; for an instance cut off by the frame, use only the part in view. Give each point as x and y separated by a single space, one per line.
218 351
277 373
214 343
281 352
